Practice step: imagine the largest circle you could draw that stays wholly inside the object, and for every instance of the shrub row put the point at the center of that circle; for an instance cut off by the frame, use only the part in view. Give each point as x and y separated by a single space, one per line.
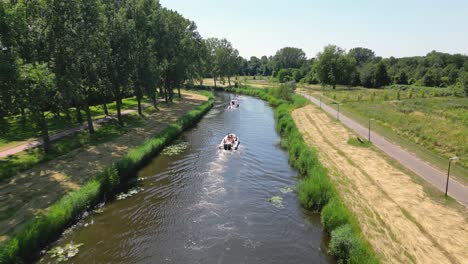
48 227
315 191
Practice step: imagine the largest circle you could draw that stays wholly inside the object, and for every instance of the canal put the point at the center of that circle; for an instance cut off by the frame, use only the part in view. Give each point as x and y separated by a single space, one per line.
200 204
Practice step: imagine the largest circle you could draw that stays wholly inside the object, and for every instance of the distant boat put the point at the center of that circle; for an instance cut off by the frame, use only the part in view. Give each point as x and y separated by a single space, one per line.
230 142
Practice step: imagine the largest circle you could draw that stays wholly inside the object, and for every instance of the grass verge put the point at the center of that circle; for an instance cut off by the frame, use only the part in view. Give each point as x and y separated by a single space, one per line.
315 190
47 227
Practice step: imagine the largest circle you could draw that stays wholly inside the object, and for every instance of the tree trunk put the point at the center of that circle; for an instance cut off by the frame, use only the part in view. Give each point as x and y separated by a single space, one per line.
171 94
214 78
23 116
154 96
178 91
166 98
139 104
44 132
118 103
229 80
79 117
106 112
89 119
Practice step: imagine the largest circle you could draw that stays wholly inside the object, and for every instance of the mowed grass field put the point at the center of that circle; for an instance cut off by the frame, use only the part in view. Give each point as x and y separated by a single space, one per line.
438 124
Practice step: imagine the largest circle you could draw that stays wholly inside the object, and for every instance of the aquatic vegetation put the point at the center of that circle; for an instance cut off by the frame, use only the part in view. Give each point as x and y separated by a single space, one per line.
175 149
65 253
286 189
277 201
130 193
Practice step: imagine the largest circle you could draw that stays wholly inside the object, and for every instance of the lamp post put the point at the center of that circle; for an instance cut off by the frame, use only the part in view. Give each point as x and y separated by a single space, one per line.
448 172
320 101
372 119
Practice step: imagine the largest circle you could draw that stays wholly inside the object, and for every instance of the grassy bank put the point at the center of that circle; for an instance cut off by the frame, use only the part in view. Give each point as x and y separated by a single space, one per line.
433 128
315 191
15 131
49 226
24 160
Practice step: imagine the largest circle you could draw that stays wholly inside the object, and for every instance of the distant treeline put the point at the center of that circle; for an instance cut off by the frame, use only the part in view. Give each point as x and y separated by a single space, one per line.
361 67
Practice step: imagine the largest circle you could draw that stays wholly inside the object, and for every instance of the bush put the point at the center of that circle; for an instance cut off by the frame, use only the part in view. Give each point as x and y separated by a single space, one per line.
334 214
284 75
314 192
343 242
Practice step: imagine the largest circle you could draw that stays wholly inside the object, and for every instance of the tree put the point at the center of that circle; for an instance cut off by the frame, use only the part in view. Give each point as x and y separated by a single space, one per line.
62 21
333 66
89 45
288 57
380 76
361 55
40 90
254 66
120 63
401 78
8 65
463 82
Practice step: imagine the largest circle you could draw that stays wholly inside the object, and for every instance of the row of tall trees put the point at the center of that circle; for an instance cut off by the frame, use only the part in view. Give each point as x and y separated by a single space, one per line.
359 67
59 55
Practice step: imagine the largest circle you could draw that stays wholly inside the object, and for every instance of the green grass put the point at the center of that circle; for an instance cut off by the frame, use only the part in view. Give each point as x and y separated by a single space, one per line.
355 142
47 227
14 164
315 191
433 128
14 130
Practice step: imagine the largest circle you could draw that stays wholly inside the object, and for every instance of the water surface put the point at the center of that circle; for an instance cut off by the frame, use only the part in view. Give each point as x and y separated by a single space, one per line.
207 205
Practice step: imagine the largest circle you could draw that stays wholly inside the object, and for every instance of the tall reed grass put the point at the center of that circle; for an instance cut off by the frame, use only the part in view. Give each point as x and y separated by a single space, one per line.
48 227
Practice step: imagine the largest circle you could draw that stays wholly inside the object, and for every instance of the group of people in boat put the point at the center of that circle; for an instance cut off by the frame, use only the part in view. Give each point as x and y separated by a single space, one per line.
230 139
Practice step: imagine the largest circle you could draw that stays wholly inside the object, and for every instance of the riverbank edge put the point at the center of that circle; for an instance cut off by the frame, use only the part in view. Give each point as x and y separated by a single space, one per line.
315 189
48 227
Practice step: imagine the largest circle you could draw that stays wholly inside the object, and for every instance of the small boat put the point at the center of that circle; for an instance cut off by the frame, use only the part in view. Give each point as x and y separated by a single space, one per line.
230 142
234 103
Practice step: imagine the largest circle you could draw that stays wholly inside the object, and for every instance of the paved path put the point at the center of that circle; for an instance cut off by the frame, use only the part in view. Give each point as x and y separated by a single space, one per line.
38 142
432 175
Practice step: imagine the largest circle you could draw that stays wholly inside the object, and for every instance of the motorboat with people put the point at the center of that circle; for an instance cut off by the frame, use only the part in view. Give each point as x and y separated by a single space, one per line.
234 103
230 142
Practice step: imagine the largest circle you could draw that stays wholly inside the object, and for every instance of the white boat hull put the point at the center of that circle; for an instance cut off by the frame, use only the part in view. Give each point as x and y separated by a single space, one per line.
229 145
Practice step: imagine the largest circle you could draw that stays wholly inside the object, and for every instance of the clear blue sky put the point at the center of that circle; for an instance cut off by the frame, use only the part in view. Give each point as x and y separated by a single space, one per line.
389 27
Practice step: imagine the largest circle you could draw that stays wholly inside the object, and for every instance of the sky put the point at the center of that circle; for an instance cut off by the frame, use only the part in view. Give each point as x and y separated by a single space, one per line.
398 28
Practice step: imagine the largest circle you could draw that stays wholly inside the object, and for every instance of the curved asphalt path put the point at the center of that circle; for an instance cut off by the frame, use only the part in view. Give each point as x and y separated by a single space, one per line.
64 133
432 175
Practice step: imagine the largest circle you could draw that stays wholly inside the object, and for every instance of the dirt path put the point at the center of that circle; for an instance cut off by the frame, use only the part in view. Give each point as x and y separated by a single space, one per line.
34 143
432 175
33 191
400 220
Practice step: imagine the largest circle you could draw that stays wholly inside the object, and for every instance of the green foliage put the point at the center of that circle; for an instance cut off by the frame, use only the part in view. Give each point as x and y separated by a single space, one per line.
47 227
355 142
347 247
334 214
284 75
463 82
314 192
342 242
333 66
